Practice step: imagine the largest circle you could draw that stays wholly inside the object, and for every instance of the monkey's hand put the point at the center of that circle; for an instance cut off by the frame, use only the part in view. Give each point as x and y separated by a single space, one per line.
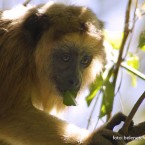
105 134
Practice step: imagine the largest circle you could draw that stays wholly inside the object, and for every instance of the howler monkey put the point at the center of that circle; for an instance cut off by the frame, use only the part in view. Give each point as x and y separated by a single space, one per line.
44 52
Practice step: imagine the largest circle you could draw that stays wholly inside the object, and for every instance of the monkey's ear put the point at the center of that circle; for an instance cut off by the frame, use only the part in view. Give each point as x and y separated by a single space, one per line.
35 24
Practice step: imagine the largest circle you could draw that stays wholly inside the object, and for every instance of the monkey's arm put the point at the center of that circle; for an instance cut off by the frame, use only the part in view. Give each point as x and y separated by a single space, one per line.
34 127
37 128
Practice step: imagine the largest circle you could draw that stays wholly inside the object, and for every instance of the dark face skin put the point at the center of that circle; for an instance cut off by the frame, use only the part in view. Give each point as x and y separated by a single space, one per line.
68 65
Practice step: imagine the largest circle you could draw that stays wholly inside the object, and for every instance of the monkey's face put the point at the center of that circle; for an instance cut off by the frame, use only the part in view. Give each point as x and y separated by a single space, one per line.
71 58
68 66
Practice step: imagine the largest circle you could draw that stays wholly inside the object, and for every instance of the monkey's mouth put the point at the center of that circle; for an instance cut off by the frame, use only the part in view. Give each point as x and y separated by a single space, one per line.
63 91
68 96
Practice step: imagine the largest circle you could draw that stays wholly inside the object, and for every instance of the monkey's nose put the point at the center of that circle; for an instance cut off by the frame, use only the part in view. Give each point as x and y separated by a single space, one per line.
74 84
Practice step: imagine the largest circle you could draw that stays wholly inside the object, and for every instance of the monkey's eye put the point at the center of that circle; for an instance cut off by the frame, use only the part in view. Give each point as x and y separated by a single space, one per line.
66 57
86 60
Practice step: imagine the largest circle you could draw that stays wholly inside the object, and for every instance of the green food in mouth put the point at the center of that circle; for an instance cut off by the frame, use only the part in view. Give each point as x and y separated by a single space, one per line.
69 98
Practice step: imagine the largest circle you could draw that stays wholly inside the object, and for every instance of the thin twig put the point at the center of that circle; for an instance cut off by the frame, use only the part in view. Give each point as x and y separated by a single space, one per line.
93 109
119 86
126 32
131 30
124 130
134 15
26 3
132 70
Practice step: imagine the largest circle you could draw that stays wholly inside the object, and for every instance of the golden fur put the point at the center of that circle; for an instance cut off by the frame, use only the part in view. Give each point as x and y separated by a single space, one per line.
26 43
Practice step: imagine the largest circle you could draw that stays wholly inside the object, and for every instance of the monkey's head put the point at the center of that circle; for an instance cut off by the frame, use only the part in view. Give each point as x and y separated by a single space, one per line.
66 43
69 50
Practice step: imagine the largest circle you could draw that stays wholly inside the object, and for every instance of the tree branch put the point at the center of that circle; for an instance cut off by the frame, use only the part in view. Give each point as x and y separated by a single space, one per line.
119 60
128 131
136 131
125 129
126 32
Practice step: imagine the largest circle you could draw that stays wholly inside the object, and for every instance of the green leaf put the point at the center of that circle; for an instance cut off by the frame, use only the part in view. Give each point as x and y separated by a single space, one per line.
133 61
134 80
143 48
94 88
142 41
114 38
69 98
108 99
